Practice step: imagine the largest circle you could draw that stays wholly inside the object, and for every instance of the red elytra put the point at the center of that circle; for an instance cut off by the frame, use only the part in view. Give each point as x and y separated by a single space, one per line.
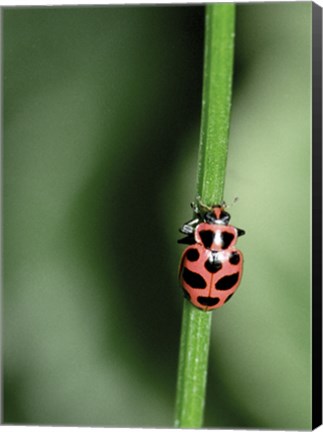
211 267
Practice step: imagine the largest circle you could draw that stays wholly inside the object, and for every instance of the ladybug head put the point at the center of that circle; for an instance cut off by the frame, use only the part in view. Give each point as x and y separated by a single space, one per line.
217 215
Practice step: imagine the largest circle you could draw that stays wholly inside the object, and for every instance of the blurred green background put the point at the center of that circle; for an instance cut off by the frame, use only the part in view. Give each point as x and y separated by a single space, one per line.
101 128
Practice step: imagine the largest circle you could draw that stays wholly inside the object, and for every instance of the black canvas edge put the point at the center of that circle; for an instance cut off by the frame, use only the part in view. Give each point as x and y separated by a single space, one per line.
316 215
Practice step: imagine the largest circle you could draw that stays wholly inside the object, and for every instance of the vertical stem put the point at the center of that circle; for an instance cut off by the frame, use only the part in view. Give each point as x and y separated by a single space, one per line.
216 104
194 351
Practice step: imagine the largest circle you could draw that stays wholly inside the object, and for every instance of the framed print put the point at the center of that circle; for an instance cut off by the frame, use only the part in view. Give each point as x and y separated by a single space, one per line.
124 305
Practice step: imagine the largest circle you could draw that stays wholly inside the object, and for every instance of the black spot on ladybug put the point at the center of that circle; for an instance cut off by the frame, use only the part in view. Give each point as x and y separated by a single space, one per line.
234 258
227 282
192 255
187 294
207 237
208 301
213 265
193 279
226 239
228 298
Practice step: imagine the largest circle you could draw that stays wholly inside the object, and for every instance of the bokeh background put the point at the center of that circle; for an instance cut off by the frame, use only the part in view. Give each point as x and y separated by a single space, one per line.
101 128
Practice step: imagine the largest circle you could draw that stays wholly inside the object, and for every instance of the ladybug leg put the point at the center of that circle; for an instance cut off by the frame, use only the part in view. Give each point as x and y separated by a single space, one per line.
240 232
189 240
189 227
195 208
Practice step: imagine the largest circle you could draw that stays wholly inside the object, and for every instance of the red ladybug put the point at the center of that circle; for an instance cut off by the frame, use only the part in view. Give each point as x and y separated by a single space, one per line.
211 267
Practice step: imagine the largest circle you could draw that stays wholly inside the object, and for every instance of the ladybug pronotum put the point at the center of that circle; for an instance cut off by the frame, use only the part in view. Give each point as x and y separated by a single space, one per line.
211 266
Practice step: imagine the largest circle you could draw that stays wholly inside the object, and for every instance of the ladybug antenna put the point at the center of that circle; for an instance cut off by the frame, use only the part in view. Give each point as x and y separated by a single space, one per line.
201 206
195 208
233 202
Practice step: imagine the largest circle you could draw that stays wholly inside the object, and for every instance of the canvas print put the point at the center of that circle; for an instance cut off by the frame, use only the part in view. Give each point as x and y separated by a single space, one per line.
157 216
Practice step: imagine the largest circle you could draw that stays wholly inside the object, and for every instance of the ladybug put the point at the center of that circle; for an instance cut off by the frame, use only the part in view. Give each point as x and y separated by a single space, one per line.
211 266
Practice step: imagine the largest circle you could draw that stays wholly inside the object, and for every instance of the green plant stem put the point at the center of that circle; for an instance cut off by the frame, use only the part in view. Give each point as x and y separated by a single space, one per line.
216 105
